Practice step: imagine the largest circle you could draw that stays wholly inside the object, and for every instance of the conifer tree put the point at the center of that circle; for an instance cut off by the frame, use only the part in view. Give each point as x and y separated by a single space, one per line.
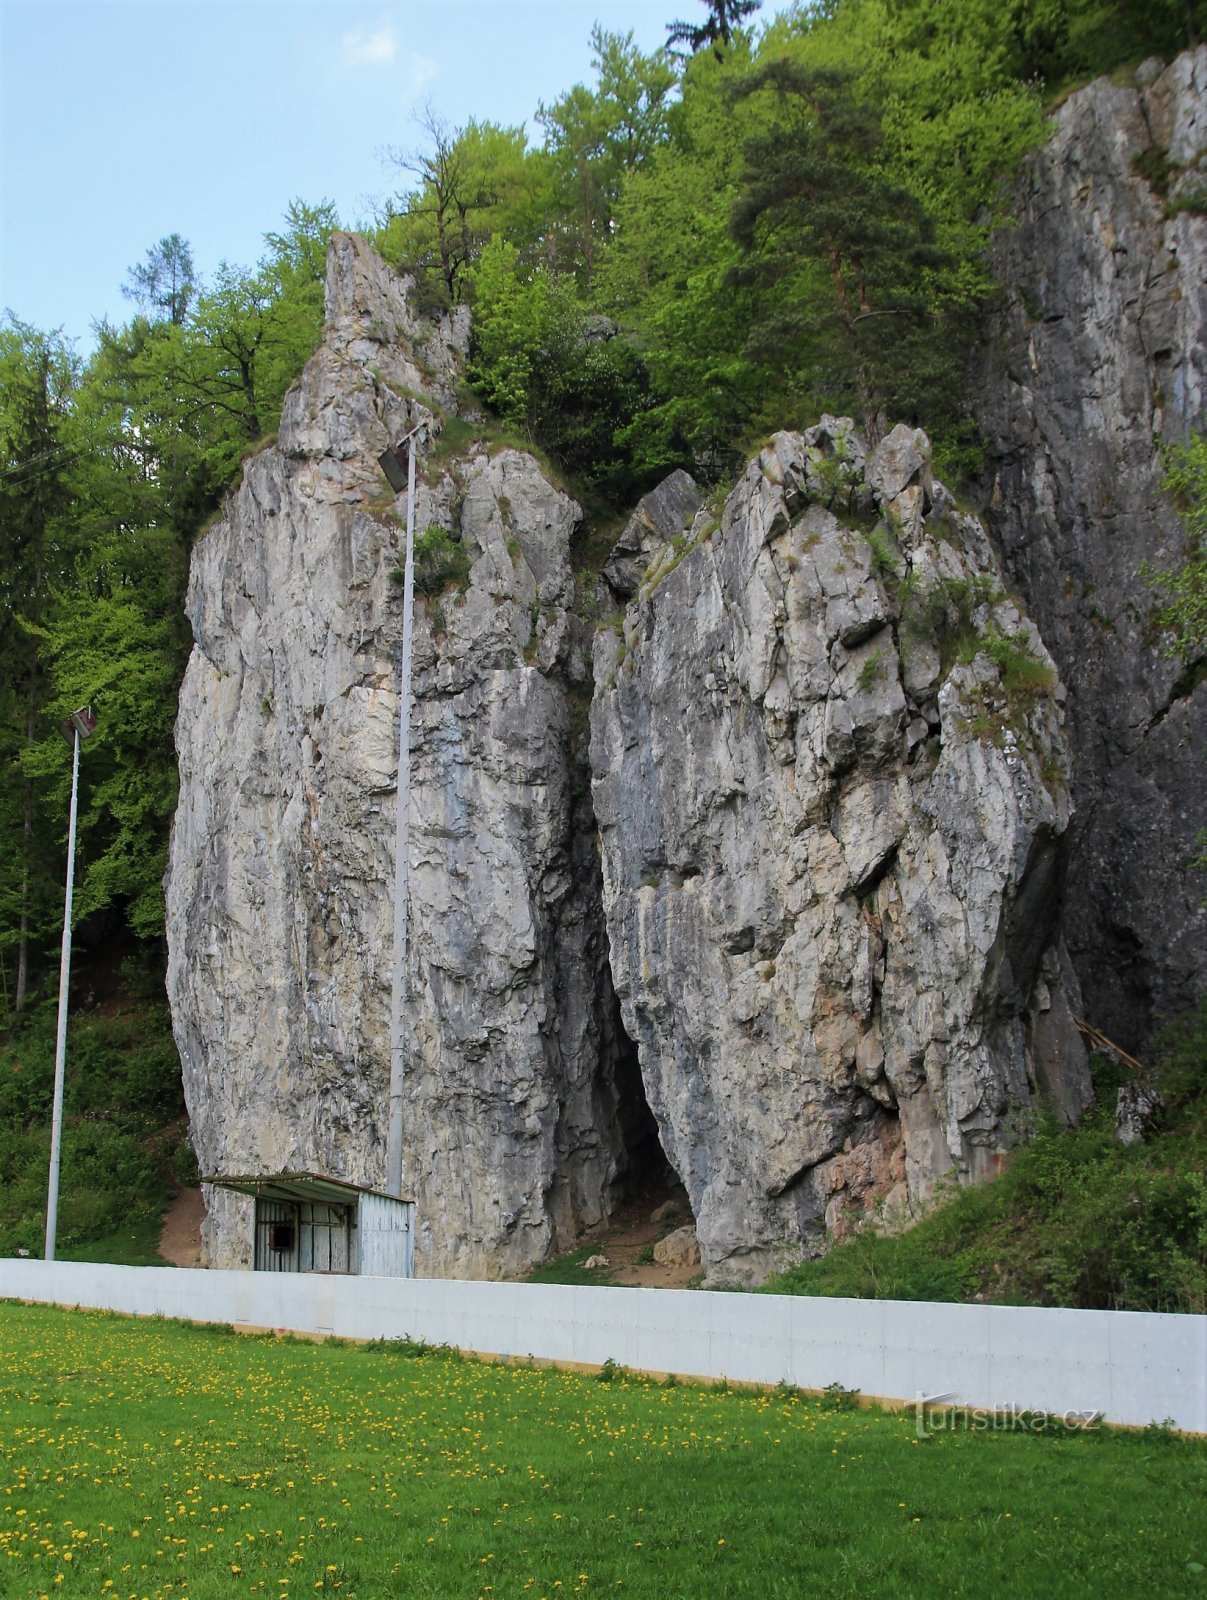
717 30
850 278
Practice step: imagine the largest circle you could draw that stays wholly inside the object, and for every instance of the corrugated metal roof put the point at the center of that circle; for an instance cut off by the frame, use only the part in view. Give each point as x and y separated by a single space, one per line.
303 1186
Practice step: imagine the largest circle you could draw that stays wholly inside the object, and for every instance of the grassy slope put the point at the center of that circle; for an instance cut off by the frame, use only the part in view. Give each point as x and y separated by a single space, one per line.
141 1457
1076 1220
122 1132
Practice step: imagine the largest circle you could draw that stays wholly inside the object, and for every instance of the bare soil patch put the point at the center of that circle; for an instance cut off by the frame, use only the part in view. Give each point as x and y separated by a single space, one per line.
180 1240
628 1237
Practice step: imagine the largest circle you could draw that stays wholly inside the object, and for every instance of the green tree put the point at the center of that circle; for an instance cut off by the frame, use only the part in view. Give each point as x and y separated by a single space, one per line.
202 392
665 275
547 365
594 138
37 445
162 285
717 30
116 638
105 475
854 286
472 181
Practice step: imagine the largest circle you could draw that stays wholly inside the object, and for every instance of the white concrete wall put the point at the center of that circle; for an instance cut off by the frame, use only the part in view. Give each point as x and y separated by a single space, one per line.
1133 1367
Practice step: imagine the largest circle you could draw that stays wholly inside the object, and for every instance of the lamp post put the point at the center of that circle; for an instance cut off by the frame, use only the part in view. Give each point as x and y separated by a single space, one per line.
391 464
79 725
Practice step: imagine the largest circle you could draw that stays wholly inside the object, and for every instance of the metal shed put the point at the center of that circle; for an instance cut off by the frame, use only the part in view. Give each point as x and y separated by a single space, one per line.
304 1223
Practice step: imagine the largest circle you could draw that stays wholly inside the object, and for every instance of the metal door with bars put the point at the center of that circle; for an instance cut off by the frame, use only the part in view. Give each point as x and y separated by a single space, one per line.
304 1236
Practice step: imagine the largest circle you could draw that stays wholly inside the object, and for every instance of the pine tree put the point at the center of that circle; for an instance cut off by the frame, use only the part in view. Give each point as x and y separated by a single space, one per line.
848 274
164 283
717 30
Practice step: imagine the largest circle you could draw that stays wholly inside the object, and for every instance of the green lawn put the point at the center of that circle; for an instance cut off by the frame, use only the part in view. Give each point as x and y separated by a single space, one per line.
146 1459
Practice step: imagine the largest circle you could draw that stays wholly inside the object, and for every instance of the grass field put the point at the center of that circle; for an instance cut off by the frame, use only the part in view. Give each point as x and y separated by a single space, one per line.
150 1459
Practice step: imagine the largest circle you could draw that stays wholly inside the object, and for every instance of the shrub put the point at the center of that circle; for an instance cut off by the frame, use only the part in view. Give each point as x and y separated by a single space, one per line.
1024 676
441 562
1185 612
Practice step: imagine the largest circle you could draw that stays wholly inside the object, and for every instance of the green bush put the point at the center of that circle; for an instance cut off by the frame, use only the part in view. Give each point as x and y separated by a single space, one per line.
1184 613
441 562
1024 676
1180 1071
122 1091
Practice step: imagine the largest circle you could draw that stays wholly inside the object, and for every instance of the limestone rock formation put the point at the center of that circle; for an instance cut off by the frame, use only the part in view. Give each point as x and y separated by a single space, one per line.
661 516
831 782
1097 356
798 929
519 1118
678 1249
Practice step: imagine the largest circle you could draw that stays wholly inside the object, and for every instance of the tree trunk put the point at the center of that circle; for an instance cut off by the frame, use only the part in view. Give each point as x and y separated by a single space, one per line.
588 240
247 382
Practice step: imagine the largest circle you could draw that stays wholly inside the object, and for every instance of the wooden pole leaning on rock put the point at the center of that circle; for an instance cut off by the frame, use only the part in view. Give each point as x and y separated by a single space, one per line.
1097 1040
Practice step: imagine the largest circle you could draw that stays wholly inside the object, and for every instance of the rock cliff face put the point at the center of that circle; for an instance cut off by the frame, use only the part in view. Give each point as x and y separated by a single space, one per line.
830 779
1098 356
522 1108
805 928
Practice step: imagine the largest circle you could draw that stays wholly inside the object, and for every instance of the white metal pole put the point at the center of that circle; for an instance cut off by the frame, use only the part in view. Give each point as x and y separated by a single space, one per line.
60 1054
402 850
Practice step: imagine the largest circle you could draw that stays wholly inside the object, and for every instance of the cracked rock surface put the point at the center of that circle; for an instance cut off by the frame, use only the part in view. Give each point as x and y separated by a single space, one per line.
1097 357
830 778
280 909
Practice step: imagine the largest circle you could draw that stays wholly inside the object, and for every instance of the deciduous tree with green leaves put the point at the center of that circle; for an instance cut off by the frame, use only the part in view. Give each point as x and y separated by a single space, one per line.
472 181
37 446
595 137
546 365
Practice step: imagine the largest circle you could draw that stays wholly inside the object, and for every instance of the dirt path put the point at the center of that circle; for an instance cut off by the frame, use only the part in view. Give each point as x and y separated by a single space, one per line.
180 1240
631 1234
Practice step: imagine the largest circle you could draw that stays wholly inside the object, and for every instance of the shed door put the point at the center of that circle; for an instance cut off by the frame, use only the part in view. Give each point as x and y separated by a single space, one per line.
327 1239
277 1236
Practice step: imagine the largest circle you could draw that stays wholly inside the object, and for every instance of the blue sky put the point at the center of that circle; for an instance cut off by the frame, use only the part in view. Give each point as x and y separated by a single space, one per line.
125 120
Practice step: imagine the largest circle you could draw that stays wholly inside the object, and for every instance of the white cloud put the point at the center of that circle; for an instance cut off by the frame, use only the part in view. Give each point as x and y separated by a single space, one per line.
370 47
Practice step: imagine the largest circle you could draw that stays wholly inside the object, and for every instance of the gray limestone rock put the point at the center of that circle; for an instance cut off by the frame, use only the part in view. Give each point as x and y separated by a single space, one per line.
1098 356
828 894
661 515
1137 1108
517 1115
